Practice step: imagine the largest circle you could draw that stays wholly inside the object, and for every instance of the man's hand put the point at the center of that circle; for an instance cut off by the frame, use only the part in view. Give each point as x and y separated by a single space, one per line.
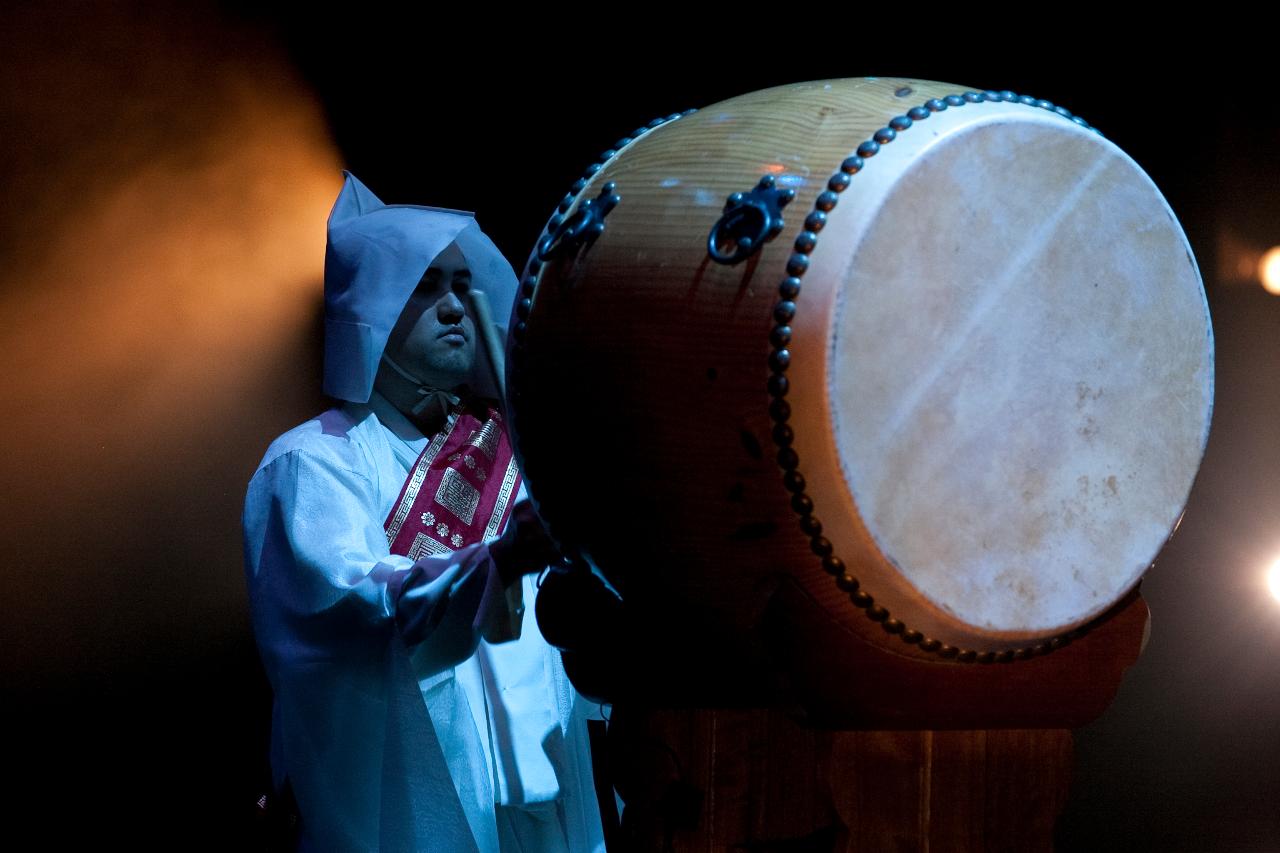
524 547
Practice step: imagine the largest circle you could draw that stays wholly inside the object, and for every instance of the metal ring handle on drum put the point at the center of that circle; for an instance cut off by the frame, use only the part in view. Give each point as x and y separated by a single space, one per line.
583 227
569 233
749 221
744 227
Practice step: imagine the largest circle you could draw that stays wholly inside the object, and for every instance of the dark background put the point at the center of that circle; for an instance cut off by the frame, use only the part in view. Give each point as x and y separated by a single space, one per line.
167 176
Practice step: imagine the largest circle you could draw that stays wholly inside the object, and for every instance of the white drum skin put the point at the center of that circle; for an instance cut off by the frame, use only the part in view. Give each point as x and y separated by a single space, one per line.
1018 372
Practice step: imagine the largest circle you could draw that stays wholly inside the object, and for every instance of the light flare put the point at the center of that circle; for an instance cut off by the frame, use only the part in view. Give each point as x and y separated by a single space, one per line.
1269 270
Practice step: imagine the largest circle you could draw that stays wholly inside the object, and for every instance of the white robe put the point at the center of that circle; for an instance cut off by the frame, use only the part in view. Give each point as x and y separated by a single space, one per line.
397 727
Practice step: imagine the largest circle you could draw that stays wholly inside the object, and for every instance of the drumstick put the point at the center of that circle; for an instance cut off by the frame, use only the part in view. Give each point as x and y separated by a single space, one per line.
479 304
488 338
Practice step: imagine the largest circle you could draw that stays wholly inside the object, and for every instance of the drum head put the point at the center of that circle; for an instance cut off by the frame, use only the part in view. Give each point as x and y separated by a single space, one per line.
1019 366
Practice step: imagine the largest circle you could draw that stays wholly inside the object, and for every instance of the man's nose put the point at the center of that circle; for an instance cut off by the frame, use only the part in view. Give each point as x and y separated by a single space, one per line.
451 308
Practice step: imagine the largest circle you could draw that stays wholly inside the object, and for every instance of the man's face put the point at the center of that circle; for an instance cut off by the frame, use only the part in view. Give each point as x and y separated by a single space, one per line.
435 337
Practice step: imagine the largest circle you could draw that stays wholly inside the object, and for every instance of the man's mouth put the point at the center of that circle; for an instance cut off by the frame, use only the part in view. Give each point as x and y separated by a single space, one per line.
454 333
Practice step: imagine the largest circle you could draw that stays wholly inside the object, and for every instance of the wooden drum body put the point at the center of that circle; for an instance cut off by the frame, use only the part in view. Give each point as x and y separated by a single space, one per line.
913 447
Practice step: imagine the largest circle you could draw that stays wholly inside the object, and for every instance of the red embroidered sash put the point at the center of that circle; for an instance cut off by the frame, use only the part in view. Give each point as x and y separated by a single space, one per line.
459 491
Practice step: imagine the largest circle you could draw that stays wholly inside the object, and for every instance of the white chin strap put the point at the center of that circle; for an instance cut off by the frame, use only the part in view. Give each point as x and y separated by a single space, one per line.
428 396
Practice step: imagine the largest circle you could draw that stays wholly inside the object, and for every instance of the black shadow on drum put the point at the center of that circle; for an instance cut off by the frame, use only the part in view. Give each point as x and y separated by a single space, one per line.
748 272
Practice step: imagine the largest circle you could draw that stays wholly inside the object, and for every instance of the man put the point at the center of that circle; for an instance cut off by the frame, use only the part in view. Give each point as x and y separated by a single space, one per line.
376 580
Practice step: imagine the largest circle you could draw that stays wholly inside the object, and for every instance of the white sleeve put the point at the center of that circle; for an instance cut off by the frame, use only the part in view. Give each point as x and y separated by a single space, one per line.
324 586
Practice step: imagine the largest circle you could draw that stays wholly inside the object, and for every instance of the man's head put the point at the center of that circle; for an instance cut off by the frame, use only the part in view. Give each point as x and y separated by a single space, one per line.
434 340
376 298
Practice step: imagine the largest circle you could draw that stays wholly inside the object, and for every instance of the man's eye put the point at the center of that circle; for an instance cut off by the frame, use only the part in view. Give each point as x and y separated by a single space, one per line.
430 280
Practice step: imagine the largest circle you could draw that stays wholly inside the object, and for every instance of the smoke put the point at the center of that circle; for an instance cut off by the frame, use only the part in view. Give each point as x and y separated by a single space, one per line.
162 246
